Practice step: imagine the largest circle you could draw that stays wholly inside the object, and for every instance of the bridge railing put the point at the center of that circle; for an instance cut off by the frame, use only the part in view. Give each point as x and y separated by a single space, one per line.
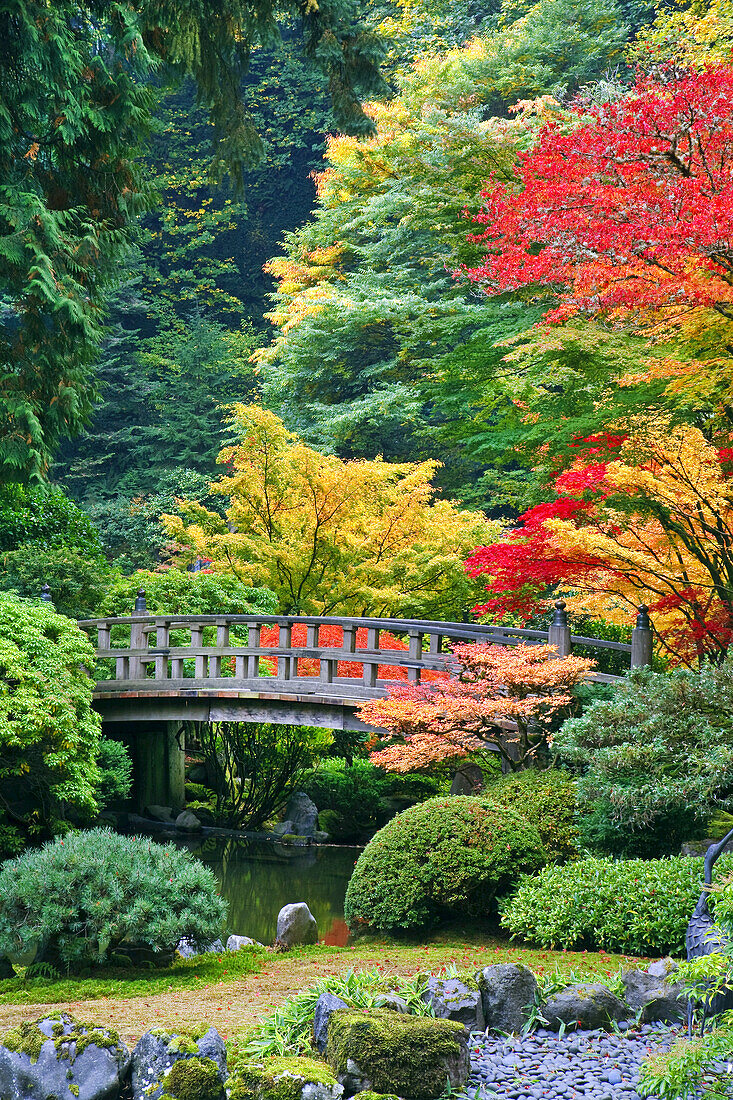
160 652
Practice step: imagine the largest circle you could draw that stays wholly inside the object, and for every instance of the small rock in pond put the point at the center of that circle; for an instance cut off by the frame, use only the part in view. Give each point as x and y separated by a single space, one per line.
296 925
188 822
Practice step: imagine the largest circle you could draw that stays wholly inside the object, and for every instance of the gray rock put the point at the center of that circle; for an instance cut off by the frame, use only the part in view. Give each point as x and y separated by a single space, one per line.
234 943
321 836
296 924
284 828
586 1005
325 1005
188 821
506 991
454 1000
662 968
303 813
657 998
469 780
188 950
6 969
97 1072
158 1050
161 813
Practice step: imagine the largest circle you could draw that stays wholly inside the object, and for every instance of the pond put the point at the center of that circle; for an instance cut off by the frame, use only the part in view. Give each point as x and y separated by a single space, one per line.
258 877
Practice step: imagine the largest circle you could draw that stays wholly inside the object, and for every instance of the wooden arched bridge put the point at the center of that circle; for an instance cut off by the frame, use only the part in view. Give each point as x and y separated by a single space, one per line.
157 671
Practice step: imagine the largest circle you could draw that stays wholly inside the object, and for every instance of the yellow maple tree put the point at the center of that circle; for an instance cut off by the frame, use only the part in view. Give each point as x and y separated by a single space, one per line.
329 536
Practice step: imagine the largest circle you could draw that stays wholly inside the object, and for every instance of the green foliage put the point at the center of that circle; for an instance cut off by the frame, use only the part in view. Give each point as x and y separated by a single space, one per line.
91 894
547 800
654 760
691 1067
77 583
178 592
289 1029
49 734
115 772
637 906
43 517
444 856
352 795
256 767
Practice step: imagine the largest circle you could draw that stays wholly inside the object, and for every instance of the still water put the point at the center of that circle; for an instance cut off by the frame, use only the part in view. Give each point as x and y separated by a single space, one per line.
258 877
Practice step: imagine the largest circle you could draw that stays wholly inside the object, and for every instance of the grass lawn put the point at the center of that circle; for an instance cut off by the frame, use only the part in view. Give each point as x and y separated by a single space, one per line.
233 992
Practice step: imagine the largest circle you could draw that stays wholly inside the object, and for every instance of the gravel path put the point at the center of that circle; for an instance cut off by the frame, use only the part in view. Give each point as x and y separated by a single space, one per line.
583 1065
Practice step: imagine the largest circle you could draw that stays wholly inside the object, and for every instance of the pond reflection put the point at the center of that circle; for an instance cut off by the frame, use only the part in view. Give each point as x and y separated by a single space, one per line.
258 877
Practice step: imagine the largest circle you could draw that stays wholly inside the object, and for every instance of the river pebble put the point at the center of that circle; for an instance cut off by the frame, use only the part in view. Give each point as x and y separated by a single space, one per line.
582 1065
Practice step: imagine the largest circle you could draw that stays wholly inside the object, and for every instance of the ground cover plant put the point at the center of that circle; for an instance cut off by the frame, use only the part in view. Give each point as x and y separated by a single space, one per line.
638 906
96 896
438 859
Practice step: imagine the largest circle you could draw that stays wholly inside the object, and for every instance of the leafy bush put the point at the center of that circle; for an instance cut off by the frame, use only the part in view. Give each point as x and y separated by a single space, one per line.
115 772
88 895
655 760
437 859
44 517
178 592
547 800
49 734
77 582
636 906
349 796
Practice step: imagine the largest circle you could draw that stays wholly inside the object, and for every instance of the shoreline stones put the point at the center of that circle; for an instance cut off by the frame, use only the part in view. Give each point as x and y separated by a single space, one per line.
506 992
452 999
587 1005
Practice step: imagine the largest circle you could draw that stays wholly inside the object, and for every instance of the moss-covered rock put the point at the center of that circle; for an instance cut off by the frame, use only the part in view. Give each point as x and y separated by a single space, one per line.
284 1079
193 1079
62 1057
390 1053
375 1096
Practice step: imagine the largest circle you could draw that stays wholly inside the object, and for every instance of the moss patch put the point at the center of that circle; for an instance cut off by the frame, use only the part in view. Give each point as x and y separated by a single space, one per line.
27 1038
397 1053
279 1078
375 1096
193 1079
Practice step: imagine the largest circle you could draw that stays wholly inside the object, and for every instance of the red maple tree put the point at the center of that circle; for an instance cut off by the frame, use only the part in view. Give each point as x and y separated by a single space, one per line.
630 210
497 700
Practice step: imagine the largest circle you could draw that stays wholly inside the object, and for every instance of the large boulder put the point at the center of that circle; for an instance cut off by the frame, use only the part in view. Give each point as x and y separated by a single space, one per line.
57 1056
236 943
587 1005
388 1052
506 992
303 813
325 1005
163 1062
295 925
188 950
452 999
188 822
284 1079
652 993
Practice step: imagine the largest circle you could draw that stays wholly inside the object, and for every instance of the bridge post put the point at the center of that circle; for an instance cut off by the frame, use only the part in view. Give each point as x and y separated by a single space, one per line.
160 761
559 632
641 639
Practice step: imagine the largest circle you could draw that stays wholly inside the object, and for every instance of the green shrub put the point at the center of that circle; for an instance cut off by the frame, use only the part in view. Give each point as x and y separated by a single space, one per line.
76 581
88 895
49 734
349 796
547 800
115 772
636 906
654 761
438 859
178 592
43 516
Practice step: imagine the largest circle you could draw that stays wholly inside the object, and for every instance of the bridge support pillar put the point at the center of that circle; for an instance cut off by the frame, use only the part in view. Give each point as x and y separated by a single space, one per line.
159 761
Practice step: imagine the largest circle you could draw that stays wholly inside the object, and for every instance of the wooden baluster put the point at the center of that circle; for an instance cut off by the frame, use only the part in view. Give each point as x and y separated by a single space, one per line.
284 641
200 660
311 641
103 633
222 642
177 668
415 654
138 640
371 670
162 641
436 644
253 660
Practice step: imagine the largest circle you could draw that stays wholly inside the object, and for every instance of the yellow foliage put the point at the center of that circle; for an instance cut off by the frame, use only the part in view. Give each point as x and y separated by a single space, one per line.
331 537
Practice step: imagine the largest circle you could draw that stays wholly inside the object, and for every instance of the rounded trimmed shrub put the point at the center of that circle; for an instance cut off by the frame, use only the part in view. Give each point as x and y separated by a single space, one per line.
84 896
439 859
637 906
547 800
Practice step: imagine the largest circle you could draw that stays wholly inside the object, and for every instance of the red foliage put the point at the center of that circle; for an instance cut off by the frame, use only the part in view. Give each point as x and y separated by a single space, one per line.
332 637
633 208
